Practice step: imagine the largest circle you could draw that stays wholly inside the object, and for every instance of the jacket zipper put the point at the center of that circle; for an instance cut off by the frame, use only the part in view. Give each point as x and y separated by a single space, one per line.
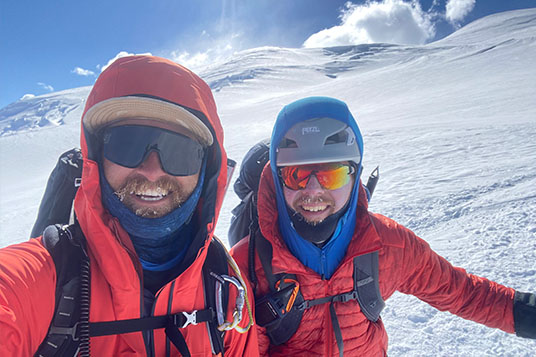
327 319
323 264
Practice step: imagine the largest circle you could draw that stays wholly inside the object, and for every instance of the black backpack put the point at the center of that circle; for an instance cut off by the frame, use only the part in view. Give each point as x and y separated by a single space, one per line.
70 329
57 202
272 310
246 187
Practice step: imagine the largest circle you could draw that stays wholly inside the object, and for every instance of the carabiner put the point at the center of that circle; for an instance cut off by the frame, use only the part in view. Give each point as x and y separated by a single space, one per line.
224 325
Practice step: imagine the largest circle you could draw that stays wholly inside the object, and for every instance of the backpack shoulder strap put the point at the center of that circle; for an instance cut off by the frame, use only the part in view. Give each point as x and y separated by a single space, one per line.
66 246
265 253
367 286
271 310
215 264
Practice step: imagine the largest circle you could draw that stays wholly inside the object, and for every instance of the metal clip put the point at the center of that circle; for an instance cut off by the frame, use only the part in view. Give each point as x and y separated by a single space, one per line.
191 318
239 302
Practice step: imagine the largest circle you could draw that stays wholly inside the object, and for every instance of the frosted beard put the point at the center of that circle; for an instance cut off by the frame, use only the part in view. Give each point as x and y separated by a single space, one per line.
138 189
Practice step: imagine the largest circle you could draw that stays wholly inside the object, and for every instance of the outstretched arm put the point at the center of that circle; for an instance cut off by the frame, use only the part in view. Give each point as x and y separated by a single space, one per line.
434 280
27 297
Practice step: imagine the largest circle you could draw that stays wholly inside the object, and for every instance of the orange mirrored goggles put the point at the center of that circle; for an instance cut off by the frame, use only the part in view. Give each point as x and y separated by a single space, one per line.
331 176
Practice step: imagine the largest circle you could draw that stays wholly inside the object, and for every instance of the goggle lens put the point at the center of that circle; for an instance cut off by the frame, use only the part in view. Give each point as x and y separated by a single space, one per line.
129 146
331 176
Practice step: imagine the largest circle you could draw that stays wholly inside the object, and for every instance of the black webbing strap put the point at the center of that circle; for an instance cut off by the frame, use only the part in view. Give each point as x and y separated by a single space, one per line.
253 228
171 323
343 297
180 320
336 329
264 249
175 336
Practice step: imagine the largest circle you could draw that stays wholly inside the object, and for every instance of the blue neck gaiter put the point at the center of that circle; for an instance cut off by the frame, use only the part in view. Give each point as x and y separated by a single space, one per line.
162 242
326 259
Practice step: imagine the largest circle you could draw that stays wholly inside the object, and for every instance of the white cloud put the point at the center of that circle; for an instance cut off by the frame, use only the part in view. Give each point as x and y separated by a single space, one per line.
27 96
456 10
83 72
120 55
217 49
389 21
192 61
45 86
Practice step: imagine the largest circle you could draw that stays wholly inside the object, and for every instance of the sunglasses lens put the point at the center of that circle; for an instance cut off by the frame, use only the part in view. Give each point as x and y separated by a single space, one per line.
295 177
334 178
123 146
129 145
331 176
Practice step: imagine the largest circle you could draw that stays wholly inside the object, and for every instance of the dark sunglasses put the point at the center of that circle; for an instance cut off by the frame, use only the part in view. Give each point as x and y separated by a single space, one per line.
129 146
331 176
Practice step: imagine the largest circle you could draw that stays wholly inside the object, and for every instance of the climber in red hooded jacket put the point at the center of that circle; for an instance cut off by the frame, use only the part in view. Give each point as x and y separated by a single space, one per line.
313 218
153 183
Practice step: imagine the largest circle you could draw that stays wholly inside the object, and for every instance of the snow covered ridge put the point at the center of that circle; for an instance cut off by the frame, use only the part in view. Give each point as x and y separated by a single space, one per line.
42 111
303 68
497 28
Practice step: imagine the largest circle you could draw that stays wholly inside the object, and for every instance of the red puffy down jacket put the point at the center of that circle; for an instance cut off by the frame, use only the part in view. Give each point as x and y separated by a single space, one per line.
406 264
27 273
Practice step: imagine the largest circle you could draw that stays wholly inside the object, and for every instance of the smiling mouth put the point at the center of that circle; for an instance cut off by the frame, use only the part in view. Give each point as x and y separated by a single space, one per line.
314 208
151 195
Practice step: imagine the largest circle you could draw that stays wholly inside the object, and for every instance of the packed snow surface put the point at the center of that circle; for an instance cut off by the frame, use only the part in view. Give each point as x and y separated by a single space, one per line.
452 125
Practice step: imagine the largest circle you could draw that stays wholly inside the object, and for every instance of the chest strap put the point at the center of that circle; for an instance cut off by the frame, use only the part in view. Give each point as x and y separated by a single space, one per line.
365 289
180 320
366 292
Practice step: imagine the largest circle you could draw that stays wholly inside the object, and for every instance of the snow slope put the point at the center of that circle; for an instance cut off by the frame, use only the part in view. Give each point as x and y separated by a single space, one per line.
452 125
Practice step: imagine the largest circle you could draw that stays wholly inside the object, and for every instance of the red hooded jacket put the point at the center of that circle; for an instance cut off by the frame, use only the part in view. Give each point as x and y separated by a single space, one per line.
406 263
27 272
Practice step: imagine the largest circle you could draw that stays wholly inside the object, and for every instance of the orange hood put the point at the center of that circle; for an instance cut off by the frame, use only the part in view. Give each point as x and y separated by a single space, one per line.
157 78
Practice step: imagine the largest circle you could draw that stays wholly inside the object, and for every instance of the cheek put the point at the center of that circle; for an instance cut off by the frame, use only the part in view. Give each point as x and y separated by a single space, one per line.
187 183
289 195
342 195
116 175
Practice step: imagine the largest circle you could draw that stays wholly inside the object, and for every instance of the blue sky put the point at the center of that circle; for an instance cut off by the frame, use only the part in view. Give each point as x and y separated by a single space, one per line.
53 45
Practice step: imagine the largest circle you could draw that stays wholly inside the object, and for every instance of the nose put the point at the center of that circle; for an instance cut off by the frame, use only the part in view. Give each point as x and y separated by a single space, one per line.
313 187
151 167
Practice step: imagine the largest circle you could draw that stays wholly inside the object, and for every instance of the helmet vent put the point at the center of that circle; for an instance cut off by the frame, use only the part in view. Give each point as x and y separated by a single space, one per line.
337 138
288 143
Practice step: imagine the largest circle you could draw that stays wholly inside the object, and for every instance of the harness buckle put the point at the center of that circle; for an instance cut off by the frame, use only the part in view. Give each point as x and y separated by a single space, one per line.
304 305
191 318
71 331
352 295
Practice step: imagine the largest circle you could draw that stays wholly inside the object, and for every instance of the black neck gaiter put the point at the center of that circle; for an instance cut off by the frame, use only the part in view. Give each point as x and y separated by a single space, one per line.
318 233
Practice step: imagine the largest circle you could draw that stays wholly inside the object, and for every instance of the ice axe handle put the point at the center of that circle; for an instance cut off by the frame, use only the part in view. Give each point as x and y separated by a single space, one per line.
373 180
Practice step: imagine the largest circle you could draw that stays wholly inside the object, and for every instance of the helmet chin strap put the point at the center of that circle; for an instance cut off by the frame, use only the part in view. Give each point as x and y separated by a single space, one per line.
317 233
